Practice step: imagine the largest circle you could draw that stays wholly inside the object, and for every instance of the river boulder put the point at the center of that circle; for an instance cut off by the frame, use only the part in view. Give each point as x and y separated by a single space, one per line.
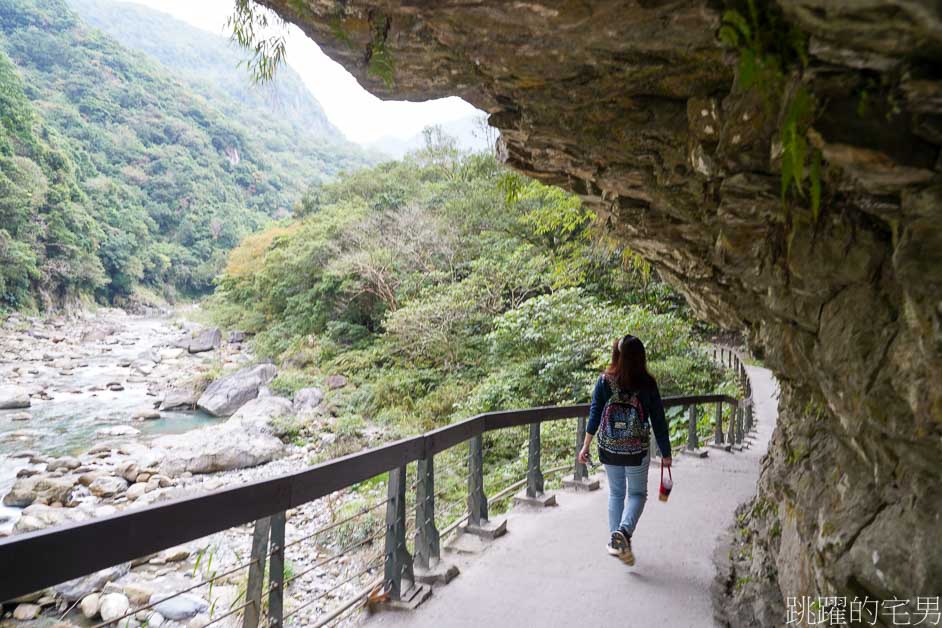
262 410
145 413
247 439
179 399
13 397
113 606
39 517
307 400
179 608
205 340
108 486
227 394
26 490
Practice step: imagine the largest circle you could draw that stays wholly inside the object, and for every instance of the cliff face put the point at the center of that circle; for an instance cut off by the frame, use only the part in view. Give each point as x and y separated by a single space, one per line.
636 107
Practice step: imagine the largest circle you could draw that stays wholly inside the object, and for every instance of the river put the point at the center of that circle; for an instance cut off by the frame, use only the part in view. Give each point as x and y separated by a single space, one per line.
66 365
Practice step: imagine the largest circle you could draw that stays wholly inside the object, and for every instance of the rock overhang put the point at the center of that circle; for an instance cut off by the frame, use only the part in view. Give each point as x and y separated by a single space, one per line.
634 106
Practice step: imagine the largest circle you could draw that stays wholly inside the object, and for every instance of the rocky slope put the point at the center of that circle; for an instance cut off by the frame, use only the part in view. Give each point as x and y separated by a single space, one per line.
635 106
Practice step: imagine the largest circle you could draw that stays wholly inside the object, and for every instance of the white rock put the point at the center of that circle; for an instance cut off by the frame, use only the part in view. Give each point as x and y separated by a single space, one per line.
227 394
245 440
66 462
179 398
25 612
206 340
138 593
113 606
129 471
12 397
307 400
181 607
109 486
136 490
90 605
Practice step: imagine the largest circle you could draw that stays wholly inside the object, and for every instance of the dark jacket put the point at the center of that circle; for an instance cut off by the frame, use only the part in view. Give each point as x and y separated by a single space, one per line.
653 409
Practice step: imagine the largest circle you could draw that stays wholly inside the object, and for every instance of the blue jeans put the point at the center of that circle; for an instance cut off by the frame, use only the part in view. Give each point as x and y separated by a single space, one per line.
624 513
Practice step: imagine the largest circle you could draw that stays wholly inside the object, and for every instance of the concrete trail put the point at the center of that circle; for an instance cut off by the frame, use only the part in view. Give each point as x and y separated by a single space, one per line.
551 568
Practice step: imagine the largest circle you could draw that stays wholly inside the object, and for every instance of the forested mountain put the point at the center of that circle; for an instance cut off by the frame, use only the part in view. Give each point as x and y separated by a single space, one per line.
116 174
45 226
198 56
444 285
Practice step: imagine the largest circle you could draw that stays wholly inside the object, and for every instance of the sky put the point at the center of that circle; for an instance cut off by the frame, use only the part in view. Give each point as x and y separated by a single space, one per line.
361 116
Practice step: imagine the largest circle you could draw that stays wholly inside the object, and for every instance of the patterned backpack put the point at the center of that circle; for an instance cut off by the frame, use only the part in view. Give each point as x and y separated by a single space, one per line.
624 428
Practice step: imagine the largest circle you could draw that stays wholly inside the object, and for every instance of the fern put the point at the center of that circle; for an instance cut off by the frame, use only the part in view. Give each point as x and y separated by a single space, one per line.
735 30
339 33
767 47
380 62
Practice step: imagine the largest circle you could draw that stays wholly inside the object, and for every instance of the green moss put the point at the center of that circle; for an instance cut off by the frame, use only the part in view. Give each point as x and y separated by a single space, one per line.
290 381
339 32
771 52
795 455
380 62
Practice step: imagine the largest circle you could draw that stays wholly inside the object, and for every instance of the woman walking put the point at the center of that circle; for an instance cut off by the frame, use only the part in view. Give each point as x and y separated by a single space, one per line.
626 404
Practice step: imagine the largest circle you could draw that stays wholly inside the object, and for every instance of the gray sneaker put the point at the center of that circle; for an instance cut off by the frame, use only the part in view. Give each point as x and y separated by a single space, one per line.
617 544
626 555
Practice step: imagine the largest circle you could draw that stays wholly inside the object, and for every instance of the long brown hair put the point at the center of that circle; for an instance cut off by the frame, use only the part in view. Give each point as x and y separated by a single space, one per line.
629 365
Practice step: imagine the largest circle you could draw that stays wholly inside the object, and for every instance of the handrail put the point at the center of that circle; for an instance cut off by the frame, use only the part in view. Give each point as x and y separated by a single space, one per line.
85 547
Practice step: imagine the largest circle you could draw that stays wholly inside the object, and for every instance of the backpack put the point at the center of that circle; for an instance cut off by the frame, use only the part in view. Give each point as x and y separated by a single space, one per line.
624 429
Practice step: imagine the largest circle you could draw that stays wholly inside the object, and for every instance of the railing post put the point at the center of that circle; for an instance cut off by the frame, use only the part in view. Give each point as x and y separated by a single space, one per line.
580 475
429 567
477 501
427 547
719 438
276 570
718 428
478 523
398 561
731 430
253 588
534 473
692 440
533 495
739 422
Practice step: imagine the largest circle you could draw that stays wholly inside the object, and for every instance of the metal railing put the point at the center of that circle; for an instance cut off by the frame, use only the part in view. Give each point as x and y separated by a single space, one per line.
86 547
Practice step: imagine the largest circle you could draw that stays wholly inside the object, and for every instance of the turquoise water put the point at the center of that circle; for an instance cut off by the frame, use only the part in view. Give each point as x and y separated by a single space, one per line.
69 422
68 425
